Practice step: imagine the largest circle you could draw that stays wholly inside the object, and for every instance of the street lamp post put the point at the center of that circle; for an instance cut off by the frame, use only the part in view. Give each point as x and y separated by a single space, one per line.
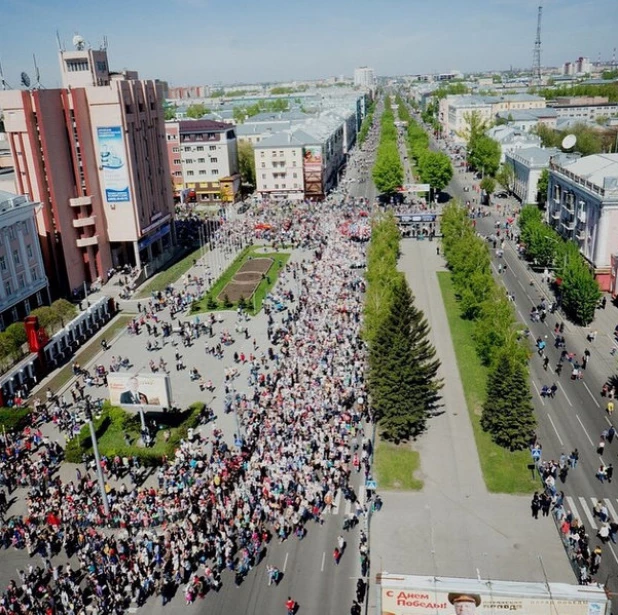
97 458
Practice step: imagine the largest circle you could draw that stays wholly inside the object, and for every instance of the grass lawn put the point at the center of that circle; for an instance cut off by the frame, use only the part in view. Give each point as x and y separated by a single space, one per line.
503 471
164 278
279 261
86 355
13 419
395 466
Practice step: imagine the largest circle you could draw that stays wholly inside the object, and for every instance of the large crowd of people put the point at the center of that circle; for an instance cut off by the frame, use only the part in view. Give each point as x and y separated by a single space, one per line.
216 504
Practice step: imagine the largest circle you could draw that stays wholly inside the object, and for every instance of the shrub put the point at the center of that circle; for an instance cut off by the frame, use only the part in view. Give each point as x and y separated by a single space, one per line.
242 304
226 301
14 419
212 303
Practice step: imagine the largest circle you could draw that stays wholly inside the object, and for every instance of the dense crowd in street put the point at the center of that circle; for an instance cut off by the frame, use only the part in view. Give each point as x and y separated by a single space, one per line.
216 505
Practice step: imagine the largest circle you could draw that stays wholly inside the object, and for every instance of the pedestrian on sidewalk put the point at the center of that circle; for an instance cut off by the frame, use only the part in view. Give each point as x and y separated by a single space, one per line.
601 446
535 505
337 556
574 458
609 472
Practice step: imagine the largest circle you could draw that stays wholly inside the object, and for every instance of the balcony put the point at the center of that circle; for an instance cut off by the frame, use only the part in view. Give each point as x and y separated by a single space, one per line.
87 241
81 201
555 214
581 234
569 225
85 221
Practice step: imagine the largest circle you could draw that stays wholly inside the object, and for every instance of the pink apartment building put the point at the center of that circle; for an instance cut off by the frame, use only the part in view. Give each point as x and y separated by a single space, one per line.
93 153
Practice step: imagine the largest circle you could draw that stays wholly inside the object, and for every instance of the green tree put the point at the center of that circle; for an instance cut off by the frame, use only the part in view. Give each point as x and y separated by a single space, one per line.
403 369
506 177
169 111
197 110
542 187
435 169
7 347
17 333
508 413
488 184
484 154
64 310
387 172
47 317
475 126
580 291
246 162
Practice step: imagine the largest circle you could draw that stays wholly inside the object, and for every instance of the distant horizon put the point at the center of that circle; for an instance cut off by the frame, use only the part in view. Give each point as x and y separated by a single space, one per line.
243 43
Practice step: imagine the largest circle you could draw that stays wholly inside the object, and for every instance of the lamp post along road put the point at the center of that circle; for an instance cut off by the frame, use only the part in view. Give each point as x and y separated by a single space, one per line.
97 458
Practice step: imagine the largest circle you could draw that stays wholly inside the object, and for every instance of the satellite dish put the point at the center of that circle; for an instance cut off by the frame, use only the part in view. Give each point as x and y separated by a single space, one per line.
569 141
79 42
25 80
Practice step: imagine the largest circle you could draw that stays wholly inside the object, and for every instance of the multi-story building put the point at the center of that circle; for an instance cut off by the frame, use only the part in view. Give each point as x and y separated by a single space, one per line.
584 108
23 283
582 205
204 157
511 139
364 77
530 119
93 153
528 164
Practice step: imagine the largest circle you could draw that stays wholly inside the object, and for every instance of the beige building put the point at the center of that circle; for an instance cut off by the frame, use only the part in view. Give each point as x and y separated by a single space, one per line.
94 155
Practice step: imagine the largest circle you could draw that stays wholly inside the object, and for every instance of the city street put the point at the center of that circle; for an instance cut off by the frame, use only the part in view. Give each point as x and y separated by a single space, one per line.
576 416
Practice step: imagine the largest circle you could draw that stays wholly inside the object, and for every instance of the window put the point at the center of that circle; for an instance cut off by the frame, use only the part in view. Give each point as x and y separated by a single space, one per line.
26 229
39 298
21 282
7 287
175 150
189 161
202 171
281 152
14 314
190 173
263 175
201 160
293 163
294 175
214 160
11 233
215 171
262 154
2 263
186 148
29 250
200 148
34 273
177 161
27 306
263 164
16 259
276 186
177 173
283 185
213 148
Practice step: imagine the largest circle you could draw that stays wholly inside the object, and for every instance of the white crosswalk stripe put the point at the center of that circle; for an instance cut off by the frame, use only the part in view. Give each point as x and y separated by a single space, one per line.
571 507
582 509
612 513
588 514
336 503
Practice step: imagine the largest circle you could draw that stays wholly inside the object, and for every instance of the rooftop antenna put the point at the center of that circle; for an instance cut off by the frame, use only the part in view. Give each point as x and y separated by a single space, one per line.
60 45
3 84
104 43
536 56
569 142
614 58
37 75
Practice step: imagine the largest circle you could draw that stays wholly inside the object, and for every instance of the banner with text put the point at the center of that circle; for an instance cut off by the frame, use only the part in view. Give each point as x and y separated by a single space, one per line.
113 162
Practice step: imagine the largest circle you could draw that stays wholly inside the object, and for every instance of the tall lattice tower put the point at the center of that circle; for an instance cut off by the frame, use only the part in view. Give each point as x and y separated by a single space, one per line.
536 55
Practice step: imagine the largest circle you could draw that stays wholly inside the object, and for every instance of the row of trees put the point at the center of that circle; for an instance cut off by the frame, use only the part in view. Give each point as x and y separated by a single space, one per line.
387 170
433 168
367 124
402 378
590 140
507 410
50 318
578 288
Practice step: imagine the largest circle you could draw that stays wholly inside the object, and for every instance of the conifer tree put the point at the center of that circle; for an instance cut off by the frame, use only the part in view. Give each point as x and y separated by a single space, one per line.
403 368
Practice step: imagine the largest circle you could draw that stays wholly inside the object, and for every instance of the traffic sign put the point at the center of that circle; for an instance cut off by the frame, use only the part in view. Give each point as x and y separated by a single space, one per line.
371 484
417 187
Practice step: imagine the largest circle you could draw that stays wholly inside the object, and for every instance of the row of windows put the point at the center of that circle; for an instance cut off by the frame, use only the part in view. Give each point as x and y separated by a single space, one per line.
274 153
77 65
16 257
199 160
282 164
11 231
283 187
202 172
199 148
21 281
281 175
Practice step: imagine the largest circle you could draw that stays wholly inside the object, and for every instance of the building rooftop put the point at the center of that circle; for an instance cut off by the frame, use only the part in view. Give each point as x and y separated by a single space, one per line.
202 126
522 115
9 200
280 116
288 138
598 169
534 156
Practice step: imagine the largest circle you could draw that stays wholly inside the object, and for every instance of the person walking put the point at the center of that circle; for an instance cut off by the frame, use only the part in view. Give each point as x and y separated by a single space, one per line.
535 505
337 555
610 407
601 446
574 458
609 472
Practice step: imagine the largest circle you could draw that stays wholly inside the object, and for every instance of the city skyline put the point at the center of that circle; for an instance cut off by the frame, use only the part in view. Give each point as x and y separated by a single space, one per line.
277 41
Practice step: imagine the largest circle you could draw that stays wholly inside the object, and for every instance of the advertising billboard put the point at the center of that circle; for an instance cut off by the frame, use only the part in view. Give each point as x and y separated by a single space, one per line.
312 169
147 390
113 163
411 595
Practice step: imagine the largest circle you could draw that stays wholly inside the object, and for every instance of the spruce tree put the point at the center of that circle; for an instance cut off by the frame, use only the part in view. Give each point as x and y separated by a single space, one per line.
403 368
508 413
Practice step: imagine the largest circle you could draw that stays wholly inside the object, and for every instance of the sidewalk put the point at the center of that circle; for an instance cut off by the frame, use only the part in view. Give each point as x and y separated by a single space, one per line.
454 527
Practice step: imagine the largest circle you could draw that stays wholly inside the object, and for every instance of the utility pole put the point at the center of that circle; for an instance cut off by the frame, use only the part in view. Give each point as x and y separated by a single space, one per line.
536 56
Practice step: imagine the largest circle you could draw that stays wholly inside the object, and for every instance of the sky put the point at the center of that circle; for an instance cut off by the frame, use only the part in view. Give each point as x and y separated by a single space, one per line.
195 42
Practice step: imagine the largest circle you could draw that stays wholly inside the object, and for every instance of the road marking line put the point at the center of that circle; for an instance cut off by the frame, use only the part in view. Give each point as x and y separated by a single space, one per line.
530 298
572 507
613 553
323 560
588 514
608 421
594 399
347 508
565 395
362 495
522 286
538 392
521 315
557 434
587 436
610 507
285 562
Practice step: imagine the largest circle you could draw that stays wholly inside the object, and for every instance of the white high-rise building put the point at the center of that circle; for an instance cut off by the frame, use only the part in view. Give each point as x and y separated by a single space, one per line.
364 77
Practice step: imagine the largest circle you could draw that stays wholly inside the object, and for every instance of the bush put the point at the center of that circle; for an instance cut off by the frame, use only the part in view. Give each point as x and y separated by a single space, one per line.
242 304
17 332
227 304
211 303
14 419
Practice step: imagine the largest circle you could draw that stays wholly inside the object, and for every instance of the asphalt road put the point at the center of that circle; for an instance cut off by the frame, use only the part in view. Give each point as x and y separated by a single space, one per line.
576 416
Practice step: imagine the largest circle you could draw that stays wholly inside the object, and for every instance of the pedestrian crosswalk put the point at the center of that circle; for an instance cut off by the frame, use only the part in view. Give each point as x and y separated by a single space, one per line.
346 505
582 508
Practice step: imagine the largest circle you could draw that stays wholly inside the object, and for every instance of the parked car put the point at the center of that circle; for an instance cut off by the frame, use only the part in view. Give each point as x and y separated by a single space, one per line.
502 195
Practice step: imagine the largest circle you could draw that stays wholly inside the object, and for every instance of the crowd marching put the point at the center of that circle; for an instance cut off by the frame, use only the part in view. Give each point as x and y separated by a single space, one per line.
216 505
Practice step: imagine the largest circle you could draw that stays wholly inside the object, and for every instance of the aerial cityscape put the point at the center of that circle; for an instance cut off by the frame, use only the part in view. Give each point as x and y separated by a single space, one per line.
304 312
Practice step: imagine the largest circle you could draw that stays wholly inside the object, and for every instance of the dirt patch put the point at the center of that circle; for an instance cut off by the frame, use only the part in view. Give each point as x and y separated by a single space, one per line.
246 279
